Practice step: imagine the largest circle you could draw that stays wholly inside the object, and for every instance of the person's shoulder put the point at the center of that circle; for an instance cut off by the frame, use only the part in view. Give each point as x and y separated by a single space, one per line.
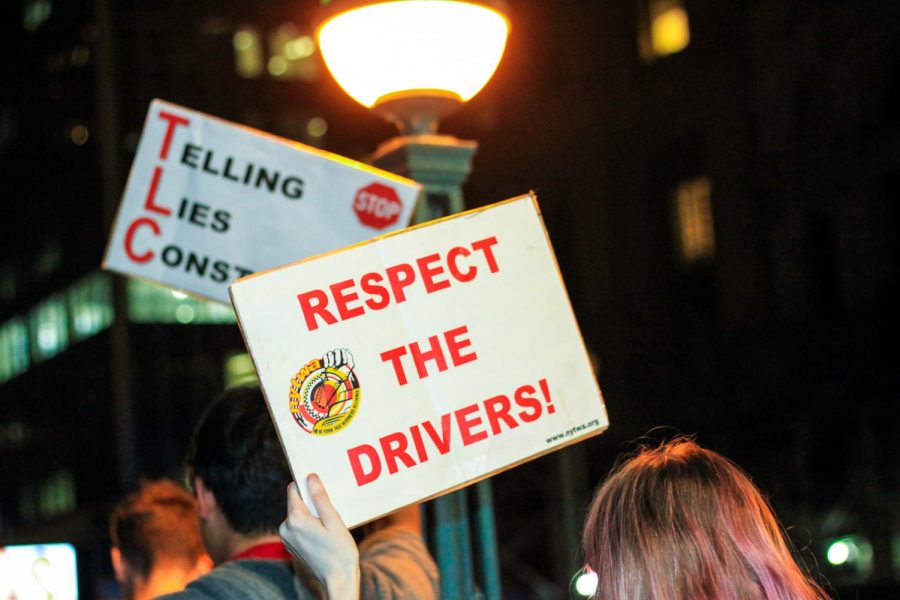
391 539
263 579
395 564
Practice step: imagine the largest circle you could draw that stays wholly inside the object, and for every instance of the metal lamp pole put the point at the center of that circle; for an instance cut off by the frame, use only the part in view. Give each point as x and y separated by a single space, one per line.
442 164
430 57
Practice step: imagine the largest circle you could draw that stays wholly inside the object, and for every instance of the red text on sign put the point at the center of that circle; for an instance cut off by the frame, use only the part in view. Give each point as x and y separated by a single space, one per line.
172 122
129 238
462 427
378 290
432 351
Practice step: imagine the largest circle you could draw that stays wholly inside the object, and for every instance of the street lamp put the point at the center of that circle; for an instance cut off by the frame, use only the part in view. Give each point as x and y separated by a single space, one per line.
414 62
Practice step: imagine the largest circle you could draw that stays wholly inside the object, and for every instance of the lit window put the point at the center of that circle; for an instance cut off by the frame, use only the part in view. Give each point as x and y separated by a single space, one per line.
49 325
90 305
13 434
50 259
239 369
7 281
291 54
35 13
664 29
248 53
13 348
694 220
57 494
149 303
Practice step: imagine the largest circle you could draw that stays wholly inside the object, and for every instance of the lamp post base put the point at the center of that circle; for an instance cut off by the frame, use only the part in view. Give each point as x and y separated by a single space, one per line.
441 163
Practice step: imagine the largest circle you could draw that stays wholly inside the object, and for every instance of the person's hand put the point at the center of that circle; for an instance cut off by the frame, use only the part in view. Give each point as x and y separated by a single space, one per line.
323 545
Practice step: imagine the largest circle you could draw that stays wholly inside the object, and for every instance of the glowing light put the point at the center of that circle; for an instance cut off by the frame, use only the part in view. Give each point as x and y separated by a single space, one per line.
248 53
586 584
277 66
316 127
239 369
299 48
838 552
179 295
184 314
80 55
84 322
670 32
48 337
36 12
79 135
243 40
694 219
413 45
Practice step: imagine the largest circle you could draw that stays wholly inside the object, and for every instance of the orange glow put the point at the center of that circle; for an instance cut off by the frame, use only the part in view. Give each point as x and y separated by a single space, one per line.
670 32
407 45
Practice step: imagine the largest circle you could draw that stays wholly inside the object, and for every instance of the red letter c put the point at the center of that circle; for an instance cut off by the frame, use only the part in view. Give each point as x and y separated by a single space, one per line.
129 236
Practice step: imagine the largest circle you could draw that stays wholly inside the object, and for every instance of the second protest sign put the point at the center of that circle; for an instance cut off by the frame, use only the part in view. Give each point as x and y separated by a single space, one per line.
421 361
208 201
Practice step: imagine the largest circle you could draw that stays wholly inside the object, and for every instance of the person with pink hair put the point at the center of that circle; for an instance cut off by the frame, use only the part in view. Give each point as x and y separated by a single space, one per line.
674 522
680 522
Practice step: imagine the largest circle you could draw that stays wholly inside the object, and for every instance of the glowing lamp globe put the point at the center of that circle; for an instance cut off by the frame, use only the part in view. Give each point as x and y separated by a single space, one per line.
413 61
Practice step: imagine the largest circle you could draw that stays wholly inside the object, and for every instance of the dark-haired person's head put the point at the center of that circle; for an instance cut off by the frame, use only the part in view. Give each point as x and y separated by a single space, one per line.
684 523
239 473
156 545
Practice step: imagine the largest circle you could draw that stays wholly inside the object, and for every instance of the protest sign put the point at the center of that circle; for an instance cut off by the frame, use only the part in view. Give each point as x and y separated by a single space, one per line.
423 360
208 201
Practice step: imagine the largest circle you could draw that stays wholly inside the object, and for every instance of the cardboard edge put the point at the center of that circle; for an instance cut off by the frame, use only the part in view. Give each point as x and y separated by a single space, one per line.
268 402
565 290
466 214
159 284
350 162
114 224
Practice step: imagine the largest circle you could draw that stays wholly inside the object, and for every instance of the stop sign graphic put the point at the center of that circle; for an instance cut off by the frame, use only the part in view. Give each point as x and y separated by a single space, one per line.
377 206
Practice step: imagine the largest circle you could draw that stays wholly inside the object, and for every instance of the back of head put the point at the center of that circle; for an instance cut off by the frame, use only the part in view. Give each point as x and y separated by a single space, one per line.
680 522
156 525
236 452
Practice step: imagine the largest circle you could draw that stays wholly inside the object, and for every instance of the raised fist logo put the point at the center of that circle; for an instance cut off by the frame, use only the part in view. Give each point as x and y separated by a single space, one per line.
324 394
338 358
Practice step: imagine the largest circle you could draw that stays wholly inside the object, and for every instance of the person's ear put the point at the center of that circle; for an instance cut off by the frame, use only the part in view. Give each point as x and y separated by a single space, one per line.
120 567
206 500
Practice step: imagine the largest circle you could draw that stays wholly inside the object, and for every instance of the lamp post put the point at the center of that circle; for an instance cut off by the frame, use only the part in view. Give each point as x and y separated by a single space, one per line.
414 62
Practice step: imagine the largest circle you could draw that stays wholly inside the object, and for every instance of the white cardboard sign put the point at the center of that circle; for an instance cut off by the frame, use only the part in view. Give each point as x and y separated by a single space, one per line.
421 361
208 201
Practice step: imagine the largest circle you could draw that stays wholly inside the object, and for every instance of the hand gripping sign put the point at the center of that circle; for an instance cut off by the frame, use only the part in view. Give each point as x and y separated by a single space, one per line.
421 361
209 201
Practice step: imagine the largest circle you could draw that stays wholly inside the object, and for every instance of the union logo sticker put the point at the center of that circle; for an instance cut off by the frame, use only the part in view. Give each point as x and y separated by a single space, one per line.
325 393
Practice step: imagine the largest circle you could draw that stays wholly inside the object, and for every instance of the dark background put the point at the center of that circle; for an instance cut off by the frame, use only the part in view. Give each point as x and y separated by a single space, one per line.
774 347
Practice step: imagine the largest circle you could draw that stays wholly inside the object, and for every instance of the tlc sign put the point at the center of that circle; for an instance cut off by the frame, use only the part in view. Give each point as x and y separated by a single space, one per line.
208 201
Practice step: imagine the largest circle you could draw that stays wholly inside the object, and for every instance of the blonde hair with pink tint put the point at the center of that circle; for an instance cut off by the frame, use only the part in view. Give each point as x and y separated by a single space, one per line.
679 522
